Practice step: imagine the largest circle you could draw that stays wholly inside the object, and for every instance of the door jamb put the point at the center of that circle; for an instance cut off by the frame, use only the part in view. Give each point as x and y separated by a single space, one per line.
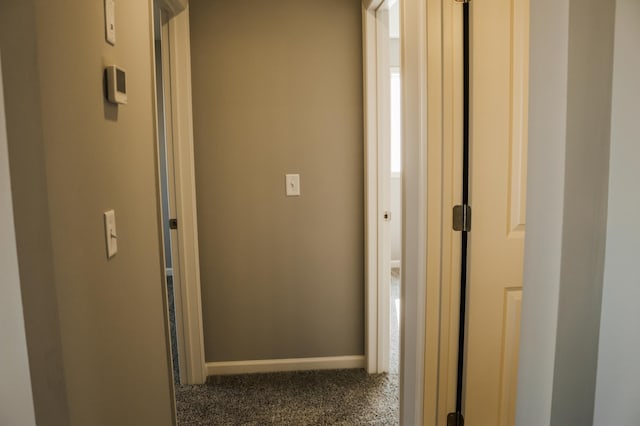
370 88
418 103
422 127
444 167
376 200
179 111
413 17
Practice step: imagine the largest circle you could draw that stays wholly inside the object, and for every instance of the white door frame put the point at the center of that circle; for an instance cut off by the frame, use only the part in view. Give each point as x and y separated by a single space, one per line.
423 121
178 112
377 187
422 145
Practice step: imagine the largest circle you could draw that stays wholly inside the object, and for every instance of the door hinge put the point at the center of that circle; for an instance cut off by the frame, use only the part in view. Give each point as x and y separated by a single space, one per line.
455 419
462 218
173 223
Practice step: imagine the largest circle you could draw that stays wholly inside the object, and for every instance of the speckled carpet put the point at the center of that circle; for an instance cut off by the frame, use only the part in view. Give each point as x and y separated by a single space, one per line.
328 397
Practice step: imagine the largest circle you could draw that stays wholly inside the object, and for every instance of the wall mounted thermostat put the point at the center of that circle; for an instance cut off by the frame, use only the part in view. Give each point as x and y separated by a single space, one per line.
116 79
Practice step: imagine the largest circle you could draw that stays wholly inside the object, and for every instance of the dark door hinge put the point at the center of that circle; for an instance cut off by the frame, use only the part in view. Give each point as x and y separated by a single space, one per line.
173 223
455 419
462 218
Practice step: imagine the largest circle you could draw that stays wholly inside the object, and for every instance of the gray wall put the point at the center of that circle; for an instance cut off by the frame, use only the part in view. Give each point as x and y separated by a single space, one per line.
277 88
16 401
618 382
584 219
95 328
570 108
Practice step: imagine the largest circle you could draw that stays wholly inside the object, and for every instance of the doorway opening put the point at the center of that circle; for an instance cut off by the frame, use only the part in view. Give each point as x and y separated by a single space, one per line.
411 327
395 184
386 169
166 188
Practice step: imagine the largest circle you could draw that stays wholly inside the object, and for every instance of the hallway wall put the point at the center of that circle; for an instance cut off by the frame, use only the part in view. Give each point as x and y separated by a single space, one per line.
96 329
16 398
618 379
277 88
569 140
31 210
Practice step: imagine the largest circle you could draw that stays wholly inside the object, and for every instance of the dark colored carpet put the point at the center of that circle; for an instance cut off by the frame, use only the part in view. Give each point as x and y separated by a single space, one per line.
172 325
336 397
329 397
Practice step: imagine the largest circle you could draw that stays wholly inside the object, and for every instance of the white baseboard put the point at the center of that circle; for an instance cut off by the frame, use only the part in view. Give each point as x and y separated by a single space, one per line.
292 364
395 264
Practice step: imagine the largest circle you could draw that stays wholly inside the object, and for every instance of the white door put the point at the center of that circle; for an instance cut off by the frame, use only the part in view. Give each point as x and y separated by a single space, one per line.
498 137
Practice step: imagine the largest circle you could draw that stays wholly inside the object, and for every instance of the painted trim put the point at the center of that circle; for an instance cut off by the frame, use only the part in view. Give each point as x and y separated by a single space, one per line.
188 252
414 361
445 169
383 168
372 5
371 187
413 16
395 264
172 7
377 196
291 364
154 86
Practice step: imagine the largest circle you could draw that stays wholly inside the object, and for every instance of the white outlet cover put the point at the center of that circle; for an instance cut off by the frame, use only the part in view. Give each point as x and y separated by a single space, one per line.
292 182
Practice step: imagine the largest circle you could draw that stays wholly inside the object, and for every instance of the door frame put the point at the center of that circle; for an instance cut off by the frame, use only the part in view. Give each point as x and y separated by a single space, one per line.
178 112
377 188
444 166
427 194
428 120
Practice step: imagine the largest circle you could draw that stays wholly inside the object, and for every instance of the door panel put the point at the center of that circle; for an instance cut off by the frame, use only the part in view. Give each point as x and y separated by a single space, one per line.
499 52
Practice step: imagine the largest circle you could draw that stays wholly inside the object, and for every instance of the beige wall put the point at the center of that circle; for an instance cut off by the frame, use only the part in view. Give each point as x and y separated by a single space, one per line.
95 328
16 400
31 211
277 88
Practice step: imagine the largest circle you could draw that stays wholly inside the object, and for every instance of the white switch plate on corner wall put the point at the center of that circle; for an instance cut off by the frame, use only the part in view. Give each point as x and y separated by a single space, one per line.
293 185
110 21
110 233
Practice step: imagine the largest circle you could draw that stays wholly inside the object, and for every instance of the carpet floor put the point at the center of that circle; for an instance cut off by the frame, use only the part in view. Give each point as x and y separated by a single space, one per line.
327 397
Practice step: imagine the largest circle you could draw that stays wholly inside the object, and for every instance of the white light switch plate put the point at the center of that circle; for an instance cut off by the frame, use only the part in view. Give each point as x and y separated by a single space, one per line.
110 233
110 21
293 185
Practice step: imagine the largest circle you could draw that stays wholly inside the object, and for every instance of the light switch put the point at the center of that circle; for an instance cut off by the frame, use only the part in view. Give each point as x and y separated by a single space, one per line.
110 21
293 185
110 233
